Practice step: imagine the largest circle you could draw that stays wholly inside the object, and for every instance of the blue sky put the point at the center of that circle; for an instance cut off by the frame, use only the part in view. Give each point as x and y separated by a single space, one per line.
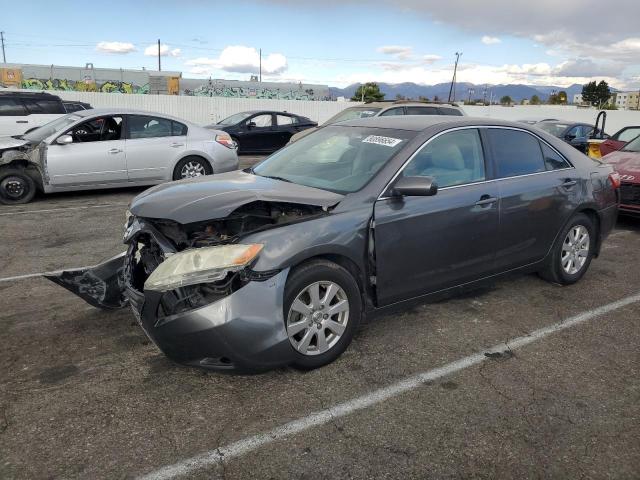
338 42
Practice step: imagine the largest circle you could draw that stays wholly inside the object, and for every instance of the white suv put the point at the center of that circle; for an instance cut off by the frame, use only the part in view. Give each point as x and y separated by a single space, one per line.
24 111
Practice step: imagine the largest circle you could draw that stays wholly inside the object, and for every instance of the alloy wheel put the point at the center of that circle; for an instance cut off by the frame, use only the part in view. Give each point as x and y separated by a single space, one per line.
318 318
575 249
192 170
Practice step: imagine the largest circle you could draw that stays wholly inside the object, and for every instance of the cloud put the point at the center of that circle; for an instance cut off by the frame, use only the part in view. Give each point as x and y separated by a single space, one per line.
585 67
239 59
165 51
429 59
487 40
121 48
398 51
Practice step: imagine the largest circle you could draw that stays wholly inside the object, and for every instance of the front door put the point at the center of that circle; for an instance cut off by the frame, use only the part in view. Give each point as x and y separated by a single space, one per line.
96 155
259 134
152 145
426 244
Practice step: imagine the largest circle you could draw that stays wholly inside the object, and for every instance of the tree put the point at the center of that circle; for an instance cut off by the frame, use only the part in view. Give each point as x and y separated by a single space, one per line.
436 99
422 98
596 94
506 100
400 97
559 98
535 100
369 92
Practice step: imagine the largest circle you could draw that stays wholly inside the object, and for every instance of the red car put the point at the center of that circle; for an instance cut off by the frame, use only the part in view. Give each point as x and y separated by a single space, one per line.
619 139
626 162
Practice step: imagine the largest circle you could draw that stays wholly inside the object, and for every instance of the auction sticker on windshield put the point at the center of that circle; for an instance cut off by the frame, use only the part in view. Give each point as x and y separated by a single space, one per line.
378 140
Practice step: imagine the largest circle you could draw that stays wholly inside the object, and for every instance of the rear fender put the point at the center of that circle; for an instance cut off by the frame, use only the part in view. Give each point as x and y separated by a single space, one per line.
101 286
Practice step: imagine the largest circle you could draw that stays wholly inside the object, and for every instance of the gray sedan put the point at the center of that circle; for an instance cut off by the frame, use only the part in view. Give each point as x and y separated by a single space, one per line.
279 264
93 149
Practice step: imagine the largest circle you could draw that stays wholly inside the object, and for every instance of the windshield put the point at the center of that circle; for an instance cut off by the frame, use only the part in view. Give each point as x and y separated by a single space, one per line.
338 159
632 146
555 129
48 129
352 113
233 119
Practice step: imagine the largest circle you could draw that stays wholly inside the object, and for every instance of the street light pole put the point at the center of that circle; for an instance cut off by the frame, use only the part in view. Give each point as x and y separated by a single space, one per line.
453 80
159 65
4 58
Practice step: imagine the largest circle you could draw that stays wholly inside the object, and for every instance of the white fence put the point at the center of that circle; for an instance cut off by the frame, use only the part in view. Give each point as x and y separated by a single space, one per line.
616 119
205 110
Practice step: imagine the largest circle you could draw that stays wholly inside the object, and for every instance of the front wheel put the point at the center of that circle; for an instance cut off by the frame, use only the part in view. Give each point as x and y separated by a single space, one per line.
572 252
322 308
191 167
16 186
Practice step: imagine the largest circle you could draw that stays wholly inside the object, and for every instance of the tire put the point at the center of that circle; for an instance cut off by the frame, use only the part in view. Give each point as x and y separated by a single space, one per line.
235 139
191 167
337 329
566 249
16 186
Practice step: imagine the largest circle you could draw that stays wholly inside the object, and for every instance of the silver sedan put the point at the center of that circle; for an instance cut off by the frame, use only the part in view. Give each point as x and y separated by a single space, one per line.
109 148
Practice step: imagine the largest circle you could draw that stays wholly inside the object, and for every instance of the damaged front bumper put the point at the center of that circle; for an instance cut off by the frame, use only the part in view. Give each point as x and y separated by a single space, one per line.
243 331
241 328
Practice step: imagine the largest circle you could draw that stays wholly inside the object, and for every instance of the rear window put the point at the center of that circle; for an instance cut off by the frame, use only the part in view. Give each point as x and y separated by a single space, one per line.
422 111
515 152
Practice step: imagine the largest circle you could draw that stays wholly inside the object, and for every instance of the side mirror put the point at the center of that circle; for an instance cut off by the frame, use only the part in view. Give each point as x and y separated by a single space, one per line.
251 124
64 140
414 187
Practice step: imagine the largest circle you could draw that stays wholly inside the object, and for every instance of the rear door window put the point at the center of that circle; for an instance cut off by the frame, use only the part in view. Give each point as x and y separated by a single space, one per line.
178 129
628 134
43 106
12 107
552 159
515 152
285 120
142 126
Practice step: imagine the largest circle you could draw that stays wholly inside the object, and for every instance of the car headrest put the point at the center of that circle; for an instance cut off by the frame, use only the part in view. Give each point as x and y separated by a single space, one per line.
448 157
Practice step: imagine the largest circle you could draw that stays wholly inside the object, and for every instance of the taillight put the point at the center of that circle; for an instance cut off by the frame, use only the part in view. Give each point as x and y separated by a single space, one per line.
614 178
226 140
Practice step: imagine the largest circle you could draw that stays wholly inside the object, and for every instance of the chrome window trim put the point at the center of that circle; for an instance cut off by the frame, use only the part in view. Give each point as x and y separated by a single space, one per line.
478 127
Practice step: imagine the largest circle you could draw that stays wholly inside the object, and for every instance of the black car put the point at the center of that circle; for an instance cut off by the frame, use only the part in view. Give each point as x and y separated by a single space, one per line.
277 264
575 134
262 131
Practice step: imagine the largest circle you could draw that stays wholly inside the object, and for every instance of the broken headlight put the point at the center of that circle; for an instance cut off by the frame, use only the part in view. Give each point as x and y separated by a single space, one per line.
201 265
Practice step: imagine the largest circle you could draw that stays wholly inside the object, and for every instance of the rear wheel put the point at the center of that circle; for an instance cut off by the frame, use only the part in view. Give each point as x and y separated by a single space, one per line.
16 186
191 167
322 311
572 253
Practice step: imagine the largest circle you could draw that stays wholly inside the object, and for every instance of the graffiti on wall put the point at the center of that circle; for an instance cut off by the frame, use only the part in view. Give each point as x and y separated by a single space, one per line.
110 86
211 89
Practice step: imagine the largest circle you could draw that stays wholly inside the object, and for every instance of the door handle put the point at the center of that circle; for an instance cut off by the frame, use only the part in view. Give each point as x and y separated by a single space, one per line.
486 200
176 145
115 150
568 183
22 121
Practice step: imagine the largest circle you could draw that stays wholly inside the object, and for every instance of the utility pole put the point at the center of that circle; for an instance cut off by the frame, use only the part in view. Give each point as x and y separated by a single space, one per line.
260 78
159 65
4 58
453 80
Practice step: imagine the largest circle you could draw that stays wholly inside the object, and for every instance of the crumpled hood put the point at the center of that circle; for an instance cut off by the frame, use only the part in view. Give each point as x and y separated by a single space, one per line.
216 196
625 163
7 143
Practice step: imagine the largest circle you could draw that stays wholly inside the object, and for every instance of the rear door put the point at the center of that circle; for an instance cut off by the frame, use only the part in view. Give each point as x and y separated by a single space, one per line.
153 144
286 126
425 244
619 140
42 110
537 188
96 155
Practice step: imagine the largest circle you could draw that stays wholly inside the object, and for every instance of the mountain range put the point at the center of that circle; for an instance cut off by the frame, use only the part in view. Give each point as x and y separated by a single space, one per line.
412 90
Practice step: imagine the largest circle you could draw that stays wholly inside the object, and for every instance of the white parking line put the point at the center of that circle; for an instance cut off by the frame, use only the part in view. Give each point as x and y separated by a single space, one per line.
49 210
241 447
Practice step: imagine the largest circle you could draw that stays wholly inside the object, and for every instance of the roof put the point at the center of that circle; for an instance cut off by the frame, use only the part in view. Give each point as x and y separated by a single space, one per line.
417 123
123 111
27 94
410 103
